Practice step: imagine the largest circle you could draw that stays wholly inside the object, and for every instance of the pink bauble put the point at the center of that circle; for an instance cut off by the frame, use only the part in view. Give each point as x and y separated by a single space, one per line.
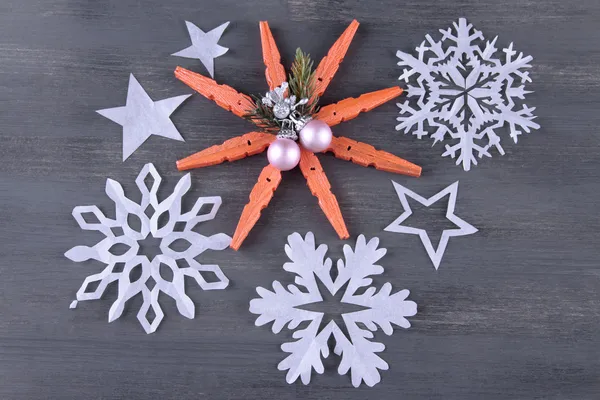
284 154
316 136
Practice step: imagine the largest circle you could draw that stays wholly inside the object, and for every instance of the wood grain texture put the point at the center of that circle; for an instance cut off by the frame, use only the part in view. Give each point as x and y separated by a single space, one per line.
225 96
319 186
233 149
350 108
274 71
330 64
366 155
512 313
260 196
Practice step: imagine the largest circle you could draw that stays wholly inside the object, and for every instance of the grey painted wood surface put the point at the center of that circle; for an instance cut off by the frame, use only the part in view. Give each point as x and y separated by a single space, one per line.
512 313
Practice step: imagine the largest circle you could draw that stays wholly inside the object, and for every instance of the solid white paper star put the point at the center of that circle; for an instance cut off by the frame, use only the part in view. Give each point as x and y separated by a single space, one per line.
204 46
463 227
142 117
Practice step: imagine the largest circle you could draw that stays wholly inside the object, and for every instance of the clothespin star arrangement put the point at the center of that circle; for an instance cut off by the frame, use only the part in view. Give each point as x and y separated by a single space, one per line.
288 114
464 94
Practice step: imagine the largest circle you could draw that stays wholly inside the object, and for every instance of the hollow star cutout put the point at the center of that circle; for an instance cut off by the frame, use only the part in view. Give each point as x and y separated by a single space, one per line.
204 46
141 117
332 308
256 142
463 229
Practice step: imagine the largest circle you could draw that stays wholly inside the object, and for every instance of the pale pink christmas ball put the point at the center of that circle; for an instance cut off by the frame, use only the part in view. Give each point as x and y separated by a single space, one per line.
316 136
284 154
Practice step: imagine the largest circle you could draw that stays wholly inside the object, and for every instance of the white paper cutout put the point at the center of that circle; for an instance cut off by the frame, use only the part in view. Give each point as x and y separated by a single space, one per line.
456 70
359 354
204 46
119 267
142 117
464 228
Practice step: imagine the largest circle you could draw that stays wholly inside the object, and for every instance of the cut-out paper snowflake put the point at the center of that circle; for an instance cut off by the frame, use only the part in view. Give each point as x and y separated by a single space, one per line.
283 306
166 223
465 93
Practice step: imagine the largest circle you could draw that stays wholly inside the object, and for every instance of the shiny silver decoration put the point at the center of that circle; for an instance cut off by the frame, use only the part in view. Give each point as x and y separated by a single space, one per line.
284 110
299 120
288 130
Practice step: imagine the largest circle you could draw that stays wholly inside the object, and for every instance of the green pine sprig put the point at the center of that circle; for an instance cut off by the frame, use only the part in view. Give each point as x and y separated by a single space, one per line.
263 116
301 81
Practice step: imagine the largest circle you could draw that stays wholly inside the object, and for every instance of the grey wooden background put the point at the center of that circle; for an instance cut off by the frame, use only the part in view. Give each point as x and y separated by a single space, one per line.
512 313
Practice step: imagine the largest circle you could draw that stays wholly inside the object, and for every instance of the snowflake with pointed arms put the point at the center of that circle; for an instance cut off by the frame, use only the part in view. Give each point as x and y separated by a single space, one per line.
465 93
284 307
135 272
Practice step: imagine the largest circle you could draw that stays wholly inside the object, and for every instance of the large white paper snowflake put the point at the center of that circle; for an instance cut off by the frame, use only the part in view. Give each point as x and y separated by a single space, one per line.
168 224
284 307
465 93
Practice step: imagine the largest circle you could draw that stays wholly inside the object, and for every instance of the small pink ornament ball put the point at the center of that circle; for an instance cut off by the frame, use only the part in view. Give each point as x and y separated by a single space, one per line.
284 154
316 136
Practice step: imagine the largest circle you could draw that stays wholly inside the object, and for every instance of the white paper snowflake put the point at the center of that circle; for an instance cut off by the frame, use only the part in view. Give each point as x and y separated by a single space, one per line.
283 307
466 93
166 223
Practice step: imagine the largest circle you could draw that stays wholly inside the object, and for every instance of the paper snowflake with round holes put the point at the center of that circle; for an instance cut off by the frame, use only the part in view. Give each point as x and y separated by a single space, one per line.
122 268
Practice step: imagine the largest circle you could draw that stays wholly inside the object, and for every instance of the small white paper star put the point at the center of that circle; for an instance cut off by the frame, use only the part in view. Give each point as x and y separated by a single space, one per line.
142 117
204 46
463 227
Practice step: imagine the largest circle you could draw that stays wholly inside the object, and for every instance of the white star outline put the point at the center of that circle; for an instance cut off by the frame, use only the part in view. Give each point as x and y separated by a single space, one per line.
463 229
204 46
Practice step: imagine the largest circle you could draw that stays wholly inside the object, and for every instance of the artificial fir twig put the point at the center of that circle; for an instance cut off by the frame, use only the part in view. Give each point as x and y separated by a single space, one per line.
262 116
301 82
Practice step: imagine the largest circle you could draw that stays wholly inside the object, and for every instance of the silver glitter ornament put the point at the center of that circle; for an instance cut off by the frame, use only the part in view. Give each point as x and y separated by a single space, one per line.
284 110
299 120
287 130
276 99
